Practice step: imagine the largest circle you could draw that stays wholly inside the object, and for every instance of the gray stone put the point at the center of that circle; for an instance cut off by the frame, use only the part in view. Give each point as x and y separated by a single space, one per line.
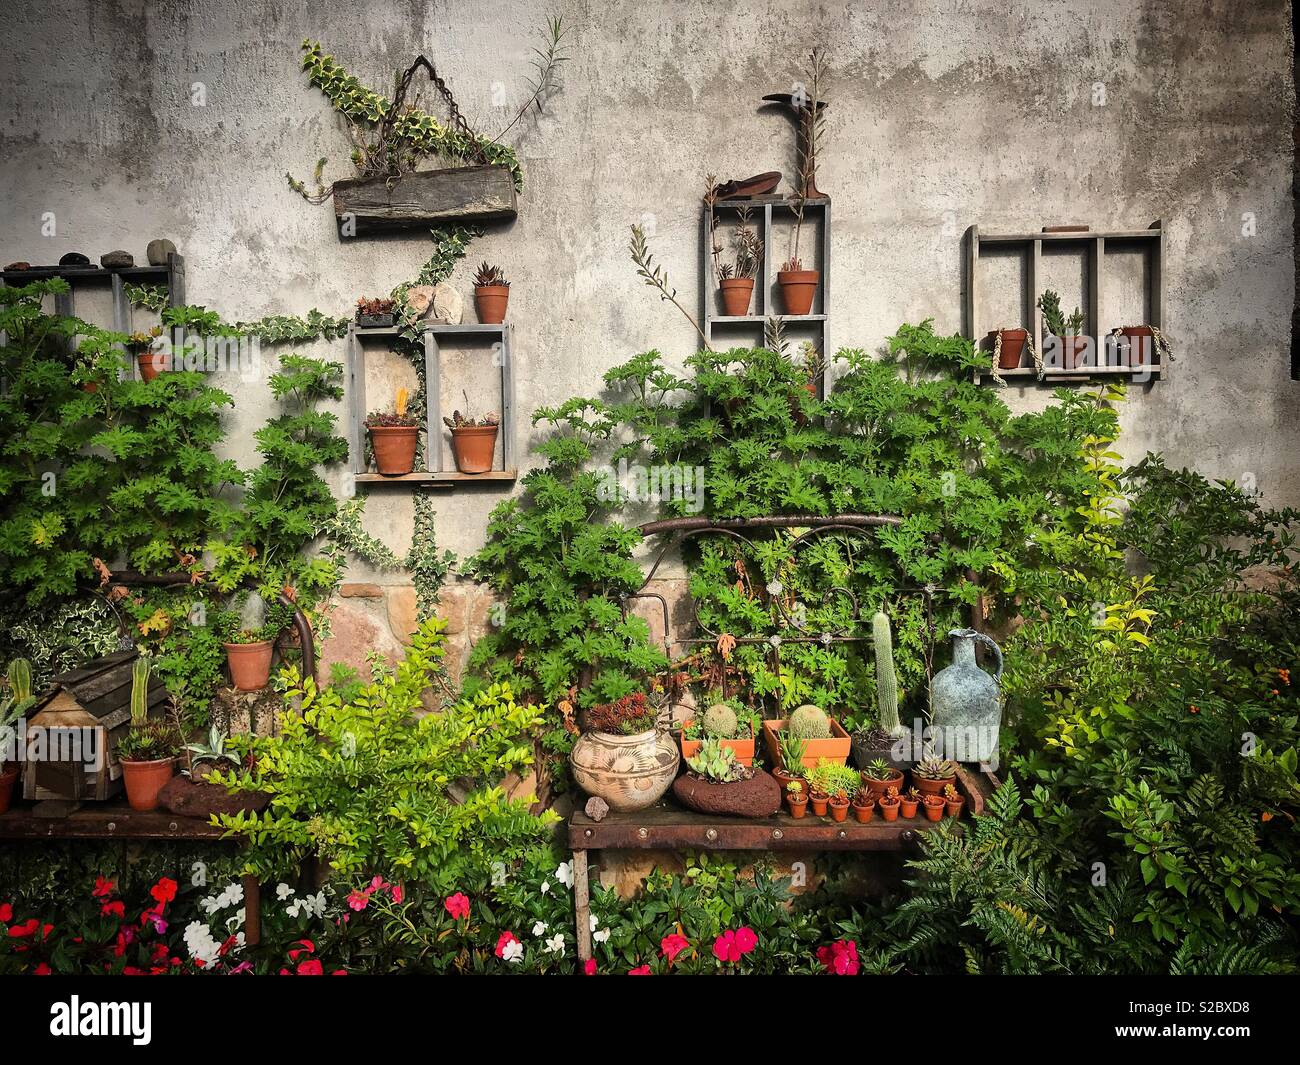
448 305
158 251
596 808
116 260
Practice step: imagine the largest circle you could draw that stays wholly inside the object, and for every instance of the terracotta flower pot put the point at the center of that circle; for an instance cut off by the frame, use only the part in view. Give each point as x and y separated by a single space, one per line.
835 748
1013 348
490 302
152 363
1074 350
933 810
473 446
819 803
953 806
8 778
879 787
394 448
781 777
1140 349
250 664
863 814
736 294
888 810
798 287
798 807
930 787
144 780
839 809
909 806
743 749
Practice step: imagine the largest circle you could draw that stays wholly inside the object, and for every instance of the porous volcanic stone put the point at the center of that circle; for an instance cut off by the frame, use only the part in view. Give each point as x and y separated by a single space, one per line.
759 796
198 798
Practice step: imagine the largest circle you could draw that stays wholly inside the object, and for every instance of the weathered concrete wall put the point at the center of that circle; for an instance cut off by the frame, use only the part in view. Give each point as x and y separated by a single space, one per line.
942 115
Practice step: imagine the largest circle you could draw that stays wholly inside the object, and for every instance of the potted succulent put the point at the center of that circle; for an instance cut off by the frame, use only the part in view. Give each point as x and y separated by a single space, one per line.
375 312
248 653
736 278
952 800
798 286
889 803
837 782
205 757
491 294
394 437
818 796
16 703
864 805
715 783
1074 347
624 757
1009 347
727 722
789 759
822 736
879 776
933 805
931 774
150 361
796 796
909 801
1137 345
473 440
147 752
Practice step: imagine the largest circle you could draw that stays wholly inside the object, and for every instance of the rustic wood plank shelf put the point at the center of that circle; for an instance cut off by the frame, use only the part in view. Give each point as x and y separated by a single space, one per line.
113 819
447 478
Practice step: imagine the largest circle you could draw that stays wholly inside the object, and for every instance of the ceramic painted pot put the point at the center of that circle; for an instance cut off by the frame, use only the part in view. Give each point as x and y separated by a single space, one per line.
965 703
628 772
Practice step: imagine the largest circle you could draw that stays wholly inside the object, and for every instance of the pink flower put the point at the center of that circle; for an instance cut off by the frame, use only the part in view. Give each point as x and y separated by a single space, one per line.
358 900
378 884
672 945
732 946
509 947
746 940
457 905
640 970
398 894
103 888
840 958
311 968
589 966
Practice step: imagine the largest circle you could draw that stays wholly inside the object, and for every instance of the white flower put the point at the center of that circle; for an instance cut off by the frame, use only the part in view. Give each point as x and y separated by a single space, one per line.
514 951
200 942
539 929
601 936
564 874
555 945
498 874
546 886
298 906
283 891
594 923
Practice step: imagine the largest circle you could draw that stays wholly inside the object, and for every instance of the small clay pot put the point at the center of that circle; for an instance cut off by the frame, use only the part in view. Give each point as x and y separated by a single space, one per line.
152 363
879 787
490 303
1141 346
930 787
798 806
933 810
1013 348
250 664
394 448
144 780
819 803
473 446
783 778
909 806
839 809
889 810
863 814
1074 350
953 806
736 294
798 287
8 778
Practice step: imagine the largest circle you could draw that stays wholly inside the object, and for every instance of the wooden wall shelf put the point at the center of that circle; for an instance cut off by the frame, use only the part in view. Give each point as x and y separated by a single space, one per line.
1093 243
433 475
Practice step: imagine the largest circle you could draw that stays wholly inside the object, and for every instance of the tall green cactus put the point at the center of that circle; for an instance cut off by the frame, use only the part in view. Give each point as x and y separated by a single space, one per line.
140 691
20 680
886 678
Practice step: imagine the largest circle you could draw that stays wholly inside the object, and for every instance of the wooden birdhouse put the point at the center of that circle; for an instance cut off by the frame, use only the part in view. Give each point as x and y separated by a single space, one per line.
72 735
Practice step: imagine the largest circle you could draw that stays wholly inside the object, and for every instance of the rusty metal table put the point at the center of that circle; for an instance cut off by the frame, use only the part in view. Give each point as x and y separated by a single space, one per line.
667 826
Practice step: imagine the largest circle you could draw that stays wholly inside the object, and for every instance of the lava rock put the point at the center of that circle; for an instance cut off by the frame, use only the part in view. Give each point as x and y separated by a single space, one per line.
759 796
597 808
116 260
198 798
74 258
158 251
22 264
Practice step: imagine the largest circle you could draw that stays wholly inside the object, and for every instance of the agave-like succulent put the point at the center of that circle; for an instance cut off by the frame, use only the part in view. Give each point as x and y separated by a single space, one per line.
716 762
935 769
490 275
212 751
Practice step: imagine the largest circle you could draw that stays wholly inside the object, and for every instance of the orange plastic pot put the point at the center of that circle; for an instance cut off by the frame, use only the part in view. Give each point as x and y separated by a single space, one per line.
250 664
473 446
934 810
834 748
798 287
819 804
839 810
152 363
394 448
736 294
490 303
889 810
144 780
1013 348
862 814
798 807
8 778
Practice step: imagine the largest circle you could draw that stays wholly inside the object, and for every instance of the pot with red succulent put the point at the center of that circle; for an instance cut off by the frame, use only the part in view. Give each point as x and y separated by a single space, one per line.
910 801
473 440
491 294
151 361
17 701
796 797
933 806
930 775
623 755
879 776
376 312
889 803
864 805
952 800
393 437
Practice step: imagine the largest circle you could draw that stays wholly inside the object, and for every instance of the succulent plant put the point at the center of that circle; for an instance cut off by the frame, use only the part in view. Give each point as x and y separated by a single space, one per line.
214 750
935 769
720 721
950 793
886 678
716 762
879 769
490 275
17 702
833 779
139 691
793 750
809 723
795 788
20 679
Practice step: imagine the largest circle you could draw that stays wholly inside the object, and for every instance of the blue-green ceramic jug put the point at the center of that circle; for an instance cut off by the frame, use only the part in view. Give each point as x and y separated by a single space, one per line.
966 704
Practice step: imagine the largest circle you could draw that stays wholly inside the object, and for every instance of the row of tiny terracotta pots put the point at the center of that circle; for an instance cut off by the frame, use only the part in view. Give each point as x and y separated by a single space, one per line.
798 287
1135 342
472 445
936 806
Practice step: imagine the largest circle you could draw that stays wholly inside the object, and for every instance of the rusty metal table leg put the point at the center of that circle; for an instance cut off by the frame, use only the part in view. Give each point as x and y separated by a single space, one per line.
582 904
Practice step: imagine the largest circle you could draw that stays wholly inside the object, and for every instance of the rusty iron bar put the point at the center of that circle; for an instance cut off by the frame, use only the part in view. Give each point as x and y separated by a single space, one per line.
770 521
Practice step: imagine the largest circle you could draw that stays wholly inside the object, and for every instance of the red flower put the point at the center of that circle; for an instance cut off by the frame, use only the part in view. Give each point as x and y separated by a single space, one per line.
506 939
6 913
840 958
103 888
358 900
113 909
398 894
164 891
457 905
311 967
640 970
589 966
732 946
672 945
22 931
42 970
746 940
305 946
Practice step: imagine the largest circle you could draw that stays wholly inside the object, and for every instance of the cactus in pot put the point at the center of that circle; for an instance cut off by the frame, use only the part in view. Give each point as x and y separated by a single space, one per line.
809 723
886 678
